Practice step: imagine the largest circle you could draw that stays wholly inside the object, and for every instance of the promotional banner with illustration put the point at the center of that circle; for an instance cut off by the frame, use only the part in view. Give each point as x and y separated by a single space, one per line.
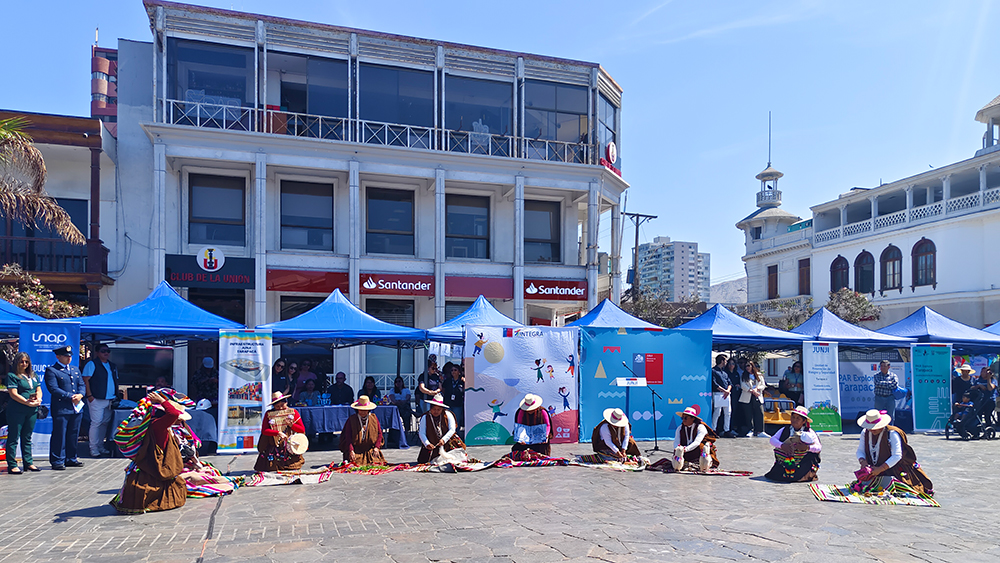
822 385
676 364
931 386
502 365
244 387
39 339
857 386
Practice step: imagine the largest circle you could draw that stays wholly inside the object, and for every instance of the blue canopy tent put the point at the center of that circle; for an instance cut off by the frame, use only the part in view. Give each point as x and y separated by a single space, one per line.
163 315
993 328
11 316
828 327
927 325
607 314
338 322
482 312
732 332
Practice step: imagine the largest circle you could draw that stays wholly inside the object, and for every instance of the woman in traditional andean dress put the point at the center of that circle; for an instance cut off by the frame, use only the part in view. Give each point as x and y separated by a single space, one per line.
694 442
796 450
532 429
884 449
613 436
280 422
361 438
437 430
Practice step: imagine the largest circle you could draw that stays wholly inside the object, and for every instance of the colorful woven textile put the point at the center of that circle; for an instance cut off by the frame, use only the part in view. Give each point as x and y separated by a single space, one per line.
885 490
665 466
128 436
529 458
268 478
601 461
344 467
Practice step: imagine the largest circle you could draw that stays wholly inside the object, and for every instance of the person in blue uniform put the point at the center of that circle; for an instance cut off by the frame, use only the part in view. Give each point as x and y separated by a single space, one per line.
66 386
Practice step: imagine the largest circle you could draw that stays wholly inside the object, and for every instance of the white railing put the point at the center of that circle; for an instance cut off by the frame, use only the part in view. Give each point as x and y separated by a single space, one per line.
827 236
991 196
559 151
480 143
211 115
964 202
890 220
852 229
925 211
771 305
769 196
305 125
392 135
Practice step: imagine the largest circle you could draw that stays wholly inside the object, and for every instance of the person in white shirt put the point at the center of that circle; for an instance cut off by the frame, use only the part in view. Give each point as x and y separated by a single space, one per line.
100 376
796 450
883 449
613 436
437 431
694 443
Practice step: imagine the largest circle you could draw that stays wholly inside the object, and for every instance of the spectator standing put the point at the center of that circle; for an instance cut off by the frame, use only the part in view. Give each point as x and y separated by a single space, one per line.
454 392
100 376
66 386
792 383
400 396
886 384
25 392
738 422
340 392
429 383
721 389
752 400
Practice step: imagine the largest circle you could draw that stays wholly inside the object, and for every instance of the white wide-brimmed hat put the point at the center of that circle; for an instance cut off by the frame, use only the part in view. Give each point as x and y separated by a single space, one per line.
278 396
690 411
967 367
438 400
874 419
616 417
530 402
363 404
801 411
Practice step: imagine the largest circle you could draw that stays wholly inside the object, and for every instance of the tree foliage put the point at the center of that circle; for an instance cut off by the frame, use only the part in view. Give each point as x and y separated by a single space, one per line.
657 309
27 292
785 314
852 306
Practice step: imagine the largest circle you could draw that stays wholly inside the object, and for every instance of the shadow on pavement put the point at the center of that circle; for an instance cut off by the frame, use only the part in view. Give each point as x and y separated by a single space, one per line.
90 512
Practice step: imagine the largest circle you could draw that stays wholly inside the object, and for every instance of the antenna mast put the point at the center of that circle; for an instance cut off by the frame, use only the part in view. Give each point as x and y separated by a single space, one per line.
769 137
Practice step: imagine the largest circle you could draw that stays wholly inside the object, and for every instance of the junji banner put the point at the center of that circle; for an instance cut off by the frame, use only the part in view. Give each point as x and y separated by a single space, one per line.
675 363
504 364
931 386
244 387
822 385
39 339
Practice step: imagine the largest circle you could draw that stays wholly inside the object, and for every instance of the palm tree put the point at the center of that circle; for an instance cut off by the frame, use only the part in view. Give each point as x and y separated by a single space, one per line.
22 182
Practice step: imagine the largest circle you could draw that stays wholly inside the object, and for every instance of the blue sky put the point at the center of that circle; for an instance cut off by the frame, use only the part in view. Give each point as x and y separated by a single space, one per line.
860 91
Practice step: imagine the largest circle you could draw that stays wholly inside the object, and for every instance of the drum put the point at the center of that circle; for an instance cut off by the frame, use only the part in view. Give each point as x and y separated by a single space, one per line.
297 444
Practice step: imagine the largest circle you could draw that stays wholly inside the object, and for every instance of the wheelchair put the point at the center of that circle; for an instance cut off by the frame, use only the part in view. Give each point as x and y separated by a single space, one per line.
982 428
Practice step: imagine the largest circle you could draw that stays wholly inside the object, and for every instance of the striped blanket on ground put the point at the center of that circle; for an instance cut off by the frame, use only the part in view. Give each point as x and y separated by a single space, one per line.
601 461
885 490
665 466
529 458
269 478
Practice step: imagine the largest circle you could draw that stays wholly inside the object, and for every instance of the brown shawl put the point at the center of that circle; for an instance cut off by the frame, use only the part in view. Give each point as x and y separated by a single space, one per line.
155 483
907 469
694 455
617 435
435 428
361 443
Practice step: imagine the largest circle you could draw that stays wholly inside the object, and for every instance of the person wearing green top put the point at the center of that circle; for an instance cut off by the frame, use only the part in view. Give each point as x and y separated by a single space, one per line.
25 391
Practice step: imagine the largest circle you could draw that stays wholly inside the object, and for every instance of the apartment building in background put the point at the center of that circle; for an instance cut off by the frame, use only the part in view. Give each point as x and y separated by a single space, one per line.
674 270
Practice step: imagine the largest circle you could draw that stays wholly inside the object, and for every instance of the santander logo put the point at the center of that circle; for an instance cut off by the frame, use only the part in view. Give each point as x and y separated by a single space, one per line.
370 283
531 289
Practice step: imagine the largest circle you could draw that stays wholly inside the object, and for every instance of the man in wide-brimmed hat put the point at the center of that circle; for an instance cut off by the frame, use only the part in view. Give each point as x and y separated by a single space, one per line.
694 442
796 450
613 436
280 422
437 430
883 448
361 438
532 428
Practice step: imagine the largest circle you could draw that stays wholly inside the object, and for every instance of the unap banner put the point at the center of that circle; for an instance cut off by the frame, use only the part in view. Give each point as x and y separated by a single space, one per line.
39 339
822 385
244 387
502 365
675 363
931 386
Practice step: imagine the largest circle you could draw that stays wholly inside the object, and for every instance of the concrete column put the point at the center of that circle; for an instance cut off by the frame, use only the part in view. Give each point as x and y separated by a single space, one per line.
843 218
930 195
94 253
874 201
909 201
616 251
946 190
259 227
159 236
982 183
989 133
439 245
519 248
593 216
354 262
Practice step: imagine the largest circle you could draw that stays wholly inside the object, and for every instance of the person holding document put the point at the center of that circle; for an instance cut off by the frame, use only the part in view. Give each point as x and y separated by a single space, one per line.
65 384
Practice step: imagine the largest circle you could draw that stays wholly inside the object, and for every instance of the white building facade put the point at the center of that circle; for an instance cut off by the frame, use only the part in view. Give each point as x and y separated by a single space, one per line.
414 175
674 270
922 240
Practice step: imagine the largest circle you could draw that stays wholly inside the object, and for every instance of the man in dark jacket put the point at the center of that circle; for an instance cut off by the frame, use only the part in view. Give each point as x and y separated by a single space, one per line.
66 386
101 378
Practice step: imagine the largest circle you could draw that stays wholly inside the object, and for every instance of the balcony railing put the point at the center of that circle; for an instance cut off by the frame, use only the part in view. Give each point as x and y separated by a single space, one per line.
890 219
50 255
769 196
559 151
211 115
305 125
392 135
772 305
480 143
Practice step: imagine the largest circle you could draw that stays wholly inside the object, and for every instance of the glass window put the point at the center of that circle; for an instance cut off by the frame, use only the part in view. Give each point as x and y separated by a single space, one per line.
772 282
892 268
210 73
306 215
453 309
327 87
467 226
226 303
293 305
217 210
542 231
396 95
482 106
924 263
839 274
805 283
607 129
379 359
864 273
390 221
555 112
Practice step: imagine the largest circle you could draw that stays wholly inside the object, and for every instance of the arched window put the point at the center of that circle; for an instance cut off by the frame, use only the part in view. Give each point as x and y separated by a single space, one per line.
924 264
892 269
864 273
840 272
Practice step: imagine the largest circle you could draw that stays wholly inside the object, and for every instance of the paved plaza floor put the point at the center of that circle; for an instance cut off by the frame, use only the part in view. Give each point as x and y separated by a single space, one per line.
522 515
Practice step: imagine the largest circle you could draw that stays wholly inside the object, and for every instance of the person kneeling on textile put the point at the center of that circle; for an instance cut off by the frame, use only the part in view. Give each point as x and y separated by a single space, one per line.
152 480
796 450
613 436
532 427
361 438
883 449
282 437
437 430
694 442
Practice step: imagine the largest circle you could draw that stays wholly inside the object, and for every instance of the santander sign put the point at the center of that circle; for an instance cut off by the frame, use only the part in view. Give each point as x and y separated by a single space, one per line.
561 290
397 284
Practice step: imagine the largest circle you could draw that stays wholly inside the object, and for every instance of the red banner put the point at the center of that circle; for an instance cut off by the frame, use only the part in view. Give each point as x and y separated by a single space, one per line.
307 281
491 288
654 369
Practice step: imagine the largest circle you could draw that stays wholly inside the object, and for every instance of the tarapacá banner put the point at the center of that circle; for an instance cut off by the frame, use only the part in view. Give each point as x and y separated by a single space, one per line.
244 387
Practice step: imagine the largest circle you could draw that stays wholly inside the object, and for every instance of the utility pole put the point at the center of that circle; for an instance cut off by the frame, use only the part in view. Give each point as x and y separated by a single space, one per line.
638 219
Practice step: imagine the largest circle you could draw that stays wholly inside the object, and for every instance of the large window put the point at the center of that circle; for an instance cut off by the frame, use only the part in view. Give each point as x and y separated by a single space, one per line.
481 106
924 263
396 95
864 273
390 221
772 282
892 268
311 85
541 231
382 360
467 226
306 216
210 73
607 130
840 272
805 277
556 112
217 210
